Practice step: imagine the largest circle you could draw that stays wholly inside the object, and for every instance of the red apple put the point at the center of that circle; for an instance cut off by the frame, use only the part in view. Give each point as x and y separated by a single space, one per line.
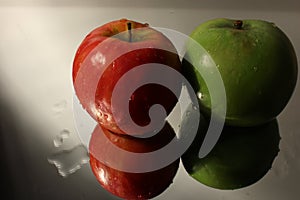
107 54
131 185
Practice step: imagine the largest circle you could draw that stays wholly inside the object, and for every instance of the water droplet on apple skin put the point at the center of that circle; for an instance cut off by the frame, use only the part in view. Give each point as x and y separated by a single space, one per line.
255 42
200 95
116 140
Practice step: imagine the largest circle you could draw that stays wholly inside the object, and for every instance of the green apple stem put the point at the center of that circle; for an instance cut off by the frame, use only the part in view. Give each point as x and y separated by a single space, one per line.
238 24
129 31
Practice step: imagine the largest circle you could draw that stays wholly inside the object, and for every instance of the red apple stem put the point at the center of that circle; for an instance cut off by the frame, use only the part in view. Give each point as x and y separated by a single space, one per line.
238 24
129 31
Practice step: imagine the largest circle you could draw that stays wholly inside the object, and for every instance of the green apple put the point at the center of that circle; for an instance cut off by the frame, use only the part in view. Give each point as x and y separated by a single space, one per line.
256 61
241 157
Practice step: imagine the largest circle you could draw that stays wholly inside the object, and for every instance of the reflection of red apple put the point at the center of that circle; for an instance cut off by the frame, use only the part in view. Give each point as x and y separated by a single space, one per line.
142 45
131 185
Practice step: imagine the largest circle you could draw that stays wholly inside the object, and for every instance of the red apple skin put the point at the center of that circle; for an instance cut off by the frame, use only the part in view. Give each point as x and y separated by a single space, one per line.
150 46
132 185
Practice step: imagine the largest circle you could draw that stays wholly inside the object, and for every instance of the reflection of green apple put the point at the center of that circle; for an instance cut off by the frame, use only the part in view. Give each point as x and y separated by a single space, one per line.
257 63
241 157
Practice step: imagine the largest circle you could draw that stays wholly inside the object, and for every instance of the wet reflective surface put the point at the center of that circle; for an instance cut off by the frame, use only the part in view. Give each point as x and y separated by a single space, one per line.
37 47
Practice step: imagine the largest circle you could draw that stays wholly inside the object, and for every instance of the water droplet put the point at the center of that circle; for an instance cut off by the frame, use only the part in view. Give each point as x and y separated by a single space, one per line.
69 161
59 139
200 95
187 113
115 178
59 107
113 65
116 140
139 196
256 41
65 133
195 107
255 68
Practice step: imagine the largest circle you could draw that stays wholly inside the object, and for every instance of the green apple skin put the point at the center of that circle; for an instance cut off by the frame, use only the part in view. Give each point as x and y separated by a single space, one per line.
241 157
257 63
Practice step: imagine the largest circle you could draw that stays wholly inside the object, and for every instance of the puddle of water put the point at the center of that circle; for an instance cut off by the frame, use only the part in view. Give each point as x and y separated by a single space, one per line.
69 161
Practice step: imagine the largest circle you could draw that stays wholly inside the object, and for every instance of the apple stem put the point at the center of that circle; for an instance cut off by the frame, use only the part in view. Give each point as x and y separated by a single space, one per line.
238 24
129 31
